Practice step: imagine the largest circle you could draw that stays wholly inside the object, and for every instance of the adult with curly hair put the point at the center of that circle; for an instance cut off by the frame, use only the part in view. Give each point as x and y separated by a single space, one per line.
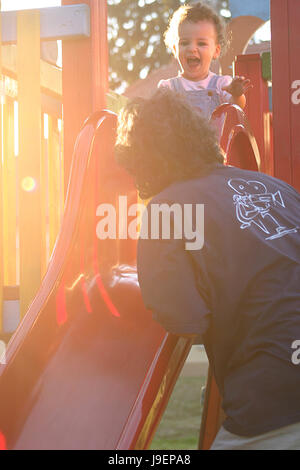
241 291
171 156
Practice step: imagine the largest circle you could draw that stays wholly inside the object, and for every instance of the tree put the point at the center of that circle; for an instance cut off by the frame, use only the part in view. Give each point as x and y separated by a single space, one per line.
135 30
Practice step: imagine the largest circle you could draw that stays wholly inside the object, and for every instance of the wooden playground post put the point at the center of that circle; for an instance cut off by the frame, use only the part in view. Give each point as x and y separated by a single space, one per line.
9 194
29 95
285 20
85 77
54 172
1 197
31 207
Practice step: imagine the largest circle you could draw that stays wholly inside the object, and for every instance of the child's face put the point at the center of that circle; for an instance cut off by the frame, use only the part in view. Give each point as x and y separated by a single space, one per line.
197 47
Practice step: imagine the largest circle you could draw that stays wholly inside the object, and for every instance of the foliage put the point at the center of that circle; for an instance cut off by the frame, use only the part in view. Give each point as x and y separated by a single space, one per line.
180 425
135 29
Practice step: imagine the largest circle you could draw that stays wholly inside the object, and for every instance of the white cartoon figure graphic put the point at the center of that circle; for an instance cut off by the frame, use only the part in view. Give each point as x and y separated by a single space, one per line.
253 204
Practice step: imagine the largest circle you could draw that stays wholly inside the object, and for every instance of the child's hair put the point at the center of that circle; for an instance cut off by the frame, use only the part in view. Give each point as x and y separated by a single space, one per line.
194 13
162 140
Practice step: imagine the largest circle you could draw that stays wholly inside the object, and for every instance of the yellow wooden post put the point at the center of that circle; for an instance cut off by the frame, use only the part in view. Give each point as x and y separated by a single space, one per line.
9 195
54 181
1 197
60 126
44 199
28 56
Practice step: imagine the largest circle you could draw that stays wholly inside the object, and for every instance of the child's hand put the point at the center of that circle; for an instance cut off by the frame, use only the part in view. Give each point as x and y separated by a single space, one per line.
238 86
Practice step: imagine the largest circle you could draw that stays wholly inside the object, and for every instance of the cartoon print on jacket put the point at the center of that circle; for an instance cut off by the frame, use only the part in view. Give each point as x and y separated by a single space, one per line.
254 204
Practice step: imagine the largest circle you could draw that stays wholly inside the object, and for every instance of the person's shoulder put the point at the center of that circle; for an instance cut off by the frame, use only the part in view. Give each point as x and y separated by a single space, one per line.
182 190
223 80
282 184
263 178
166 83
164 196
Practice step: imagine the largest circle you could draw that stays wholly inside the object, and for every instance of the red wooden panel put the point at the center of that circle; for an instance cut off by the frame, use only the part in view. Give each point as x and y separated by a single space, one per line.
85 76
294 54
285 31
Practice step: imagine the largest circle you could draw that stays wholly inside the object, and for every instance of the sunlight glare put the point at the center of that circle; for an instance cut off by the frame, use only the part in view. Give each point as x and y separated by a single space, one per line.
28 184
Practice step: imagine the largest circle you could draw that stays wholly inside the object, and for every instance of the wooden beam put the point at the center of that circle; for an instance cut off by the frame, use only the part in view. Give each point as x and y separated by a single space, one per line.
67 22
51 76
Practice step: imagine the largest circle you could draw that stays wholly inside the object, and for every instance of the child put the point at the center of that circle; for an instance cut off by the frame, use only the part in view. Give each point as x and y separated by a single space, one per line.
196 36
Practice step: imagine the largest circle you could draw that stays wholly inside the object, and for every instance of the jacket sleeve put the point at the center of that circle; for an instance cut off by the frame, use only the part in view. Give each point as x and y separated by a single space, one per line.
168 283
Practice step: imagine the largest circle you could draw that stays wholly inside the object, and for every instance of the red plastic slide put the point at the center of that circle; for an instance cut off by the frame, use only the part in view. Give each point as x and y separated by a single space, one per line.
88 368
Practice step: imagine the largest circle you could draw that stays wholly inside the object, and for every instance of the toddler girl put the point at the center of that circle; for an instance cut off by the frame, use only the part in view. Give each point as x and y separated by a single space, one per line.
196 36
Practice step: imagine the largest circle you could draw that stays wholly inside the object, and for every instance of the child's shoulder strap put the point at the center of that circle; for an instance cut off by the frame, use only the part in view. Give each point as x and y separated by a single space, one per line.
176 84
213 81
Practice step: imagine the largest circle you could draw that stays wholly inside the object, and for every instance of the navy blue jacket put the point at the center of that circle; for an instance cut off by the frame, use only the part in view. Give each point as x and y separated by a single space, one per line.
240 291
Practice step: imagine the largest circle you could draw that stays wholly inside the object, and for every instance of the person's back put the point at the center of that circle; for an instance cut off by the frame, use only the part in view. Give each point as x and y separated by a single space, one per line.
248 272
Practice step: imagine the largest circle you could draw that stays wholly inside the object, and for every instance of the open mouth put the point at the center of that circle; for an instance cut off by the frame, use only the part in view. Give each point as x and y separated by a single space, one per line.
193 61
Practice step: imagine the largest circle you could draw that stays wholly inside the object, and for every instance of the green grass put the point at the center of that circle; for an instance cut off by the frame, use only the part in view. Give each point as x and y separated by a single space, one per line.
180 424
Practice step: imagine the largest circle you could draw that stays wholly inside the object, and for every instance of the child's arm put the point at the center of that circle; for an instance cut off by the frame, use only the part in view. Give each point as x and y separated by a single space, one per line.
237 90
239 100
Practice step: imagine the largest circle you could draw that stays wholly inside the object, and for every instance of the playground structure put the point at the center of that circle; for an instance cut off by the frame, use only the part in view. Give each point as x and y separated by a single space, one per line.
86 329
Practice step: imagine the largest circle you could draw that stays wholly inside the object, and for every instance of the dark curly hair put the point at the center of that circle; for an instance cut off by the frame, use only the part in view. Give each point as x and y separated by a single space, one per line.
194 13
162 140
